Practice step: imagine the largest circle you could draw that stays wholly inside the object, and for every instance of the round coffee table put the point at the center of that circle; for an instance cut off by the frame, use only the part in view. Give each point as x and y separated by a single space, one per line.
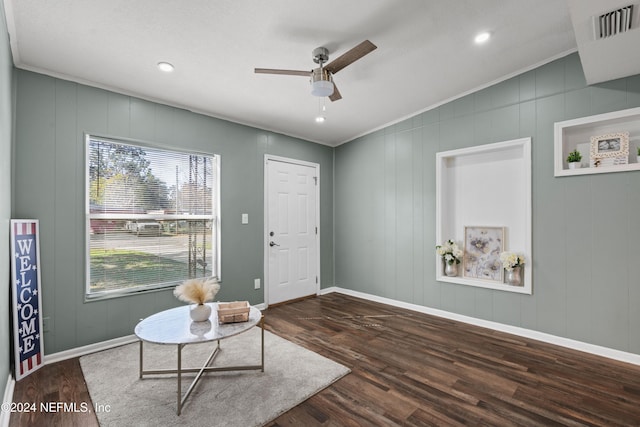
175 327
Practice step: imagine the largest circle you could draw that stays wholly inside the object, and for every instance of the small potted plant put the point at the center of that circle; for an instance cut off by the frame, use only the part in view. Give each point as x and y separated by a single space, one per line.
513 264
574 159
638 155
451 255
198 292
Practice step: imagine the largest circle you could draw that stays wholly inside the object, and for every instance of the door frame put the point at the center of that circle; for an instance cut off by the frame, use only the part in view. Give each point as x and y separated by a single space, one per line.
265 231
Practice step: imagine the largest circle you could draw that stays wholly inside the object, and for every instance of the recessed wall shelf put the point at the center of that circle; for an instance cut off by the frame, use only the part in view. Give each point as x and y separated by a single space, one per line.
486 185
576 134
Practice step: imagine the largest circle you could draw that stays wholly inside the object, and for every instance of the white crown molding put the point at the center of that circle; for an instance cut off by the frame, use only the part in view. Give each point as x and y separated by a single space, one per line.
462 95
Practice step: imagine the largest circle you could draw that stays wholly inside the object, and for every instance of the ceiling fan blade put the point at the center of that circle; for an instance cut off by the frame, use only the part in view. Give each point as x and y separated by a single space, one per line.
351 56
284 72
335 96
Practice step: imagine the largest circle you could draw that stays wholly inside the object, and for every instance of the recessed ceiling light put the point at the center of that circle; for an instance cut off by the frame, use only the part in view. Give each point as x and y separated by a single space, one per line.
482 37
320 119
165 66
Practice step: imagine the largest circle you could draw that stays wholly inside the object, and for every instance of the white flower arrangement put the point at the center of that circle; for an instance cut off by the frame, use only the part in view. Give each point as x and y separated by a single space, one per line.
450 252
197 291
511 260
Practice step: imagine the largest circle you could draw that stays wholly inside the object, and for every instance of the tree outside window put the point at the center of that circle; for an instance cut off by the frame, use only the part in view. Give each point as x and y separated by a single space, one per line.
152 217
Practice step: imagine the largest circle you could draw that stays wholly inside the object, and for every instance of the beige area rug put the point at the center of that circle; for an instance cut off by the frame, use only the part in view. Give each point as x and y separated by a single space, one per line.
244 398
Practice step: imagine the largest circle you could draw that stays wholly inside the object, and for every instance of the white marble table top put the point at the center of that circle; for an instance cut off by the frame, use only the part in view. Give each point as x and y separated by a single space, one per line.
174 326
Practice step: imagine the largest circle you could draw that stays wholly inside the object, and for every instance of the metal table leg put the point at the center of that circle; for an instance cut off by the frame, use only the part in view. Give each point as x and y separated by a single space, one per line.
200 371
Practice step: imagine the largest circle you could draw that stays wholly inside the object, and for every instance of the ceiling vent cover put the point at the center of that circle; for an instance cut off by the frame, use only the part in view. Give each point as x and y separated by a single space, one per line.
611 23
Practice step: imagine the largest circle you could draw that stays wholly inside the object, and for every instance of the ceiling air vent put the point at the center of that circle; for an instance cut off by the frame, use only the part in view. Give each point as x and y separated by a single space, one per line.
611 23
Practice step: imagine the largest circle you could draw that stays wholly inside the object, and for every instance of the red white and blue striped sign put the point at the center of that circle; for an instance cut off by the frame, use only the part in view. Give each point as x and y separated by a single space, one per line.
27 303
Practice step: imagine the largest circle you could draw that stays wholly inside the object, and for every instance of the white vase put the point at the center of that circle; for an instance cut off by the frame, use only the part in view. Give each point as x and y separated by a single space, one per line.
450 270
200 312
575 165
513 277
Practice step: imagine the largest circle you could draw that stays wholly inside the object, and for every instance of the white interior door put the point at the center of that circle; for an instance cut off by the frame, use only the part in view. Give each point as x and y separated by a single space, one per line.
291 235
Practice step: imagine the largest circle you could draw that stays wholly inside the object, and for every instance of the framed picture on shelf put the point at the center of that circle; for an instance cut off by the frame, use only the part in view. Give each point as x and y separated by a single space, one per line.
482 247
609 150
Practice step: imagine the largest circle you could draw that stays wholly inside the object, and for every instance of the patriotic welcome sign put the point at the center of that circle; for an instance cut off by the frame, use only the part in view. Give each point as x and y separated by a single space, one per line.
27 316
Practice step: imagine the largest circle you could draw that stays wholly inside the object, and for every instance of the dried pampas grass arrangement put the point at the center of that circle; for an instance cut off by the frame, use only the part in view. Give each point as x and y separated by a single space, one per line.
197 291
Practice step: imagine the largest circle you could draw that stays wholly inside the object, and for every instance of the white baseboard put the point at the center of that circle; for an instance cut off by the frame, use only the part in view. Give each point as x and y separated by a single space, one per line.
91 348
8 398
99 346
515 330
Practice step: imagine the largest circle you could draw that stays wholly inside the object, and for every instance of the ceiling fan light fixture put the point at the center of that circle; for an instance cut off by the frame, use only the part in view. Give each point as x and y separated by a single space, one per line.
321 80
322 88
321 83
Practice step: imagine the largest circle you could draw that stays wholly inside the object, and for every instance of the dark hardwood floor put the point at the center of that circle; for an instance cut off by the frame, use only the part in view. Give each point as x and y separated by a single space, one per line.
59 382
412 369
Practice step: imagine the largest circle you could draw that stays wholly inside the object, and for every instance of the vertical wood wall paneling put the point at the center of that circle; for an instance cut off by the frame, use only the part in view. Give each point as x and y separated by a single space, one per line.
92 319
633 231
405 230
417 216
68 152
578 219
585 232
390 224
633 248
38 156
610 312
51 118
430 145
549 223
377 214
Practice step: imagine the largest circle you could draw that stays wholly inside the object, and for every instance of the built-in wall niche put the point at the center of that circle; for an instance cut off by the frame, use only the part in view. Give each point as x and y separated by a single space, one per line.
486 186
584 134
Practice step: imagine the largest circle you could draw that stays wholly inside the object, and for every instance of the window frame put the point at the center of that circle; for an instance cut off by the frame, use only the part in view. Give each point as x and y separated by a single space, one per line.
215 216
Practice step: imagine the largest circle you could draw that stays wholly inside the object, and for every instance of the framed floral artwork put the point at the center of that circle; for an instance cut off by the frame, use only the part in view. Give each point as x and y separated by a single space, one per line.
482 247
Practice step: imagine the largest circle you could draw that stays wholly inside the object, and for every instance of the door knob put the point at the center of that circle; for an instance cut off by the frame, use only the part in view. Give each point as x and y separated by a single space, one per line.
272 244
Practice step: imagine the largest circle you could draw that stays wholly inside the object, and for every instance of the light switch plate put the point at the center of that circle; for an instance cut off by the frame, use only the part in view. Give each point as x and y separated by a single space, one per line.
245 218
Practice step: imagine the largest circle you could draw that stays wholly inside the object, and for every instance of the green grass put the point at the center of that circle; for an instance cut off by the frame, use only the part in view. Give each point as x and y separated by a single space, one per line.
120 268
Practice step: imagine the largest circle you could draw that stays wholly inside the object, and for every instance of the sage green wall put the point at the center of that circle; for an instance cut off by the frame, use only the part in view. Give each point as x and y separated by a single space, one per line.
51 116
6 126
585 228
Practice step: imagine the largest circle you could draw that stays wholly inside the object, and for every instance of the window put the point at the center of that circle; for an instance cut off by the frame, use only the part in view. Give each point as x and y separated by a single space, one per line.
152 217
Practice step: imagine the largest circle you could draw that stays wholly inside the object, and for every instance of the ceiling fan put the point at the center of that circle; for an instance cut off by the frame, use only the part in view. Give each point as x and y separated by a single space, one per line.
322 77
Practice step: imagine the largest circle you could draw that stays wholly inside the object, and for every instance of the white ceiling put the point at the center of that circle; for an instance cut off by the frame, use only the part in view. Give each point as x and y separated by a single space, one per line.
425 54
